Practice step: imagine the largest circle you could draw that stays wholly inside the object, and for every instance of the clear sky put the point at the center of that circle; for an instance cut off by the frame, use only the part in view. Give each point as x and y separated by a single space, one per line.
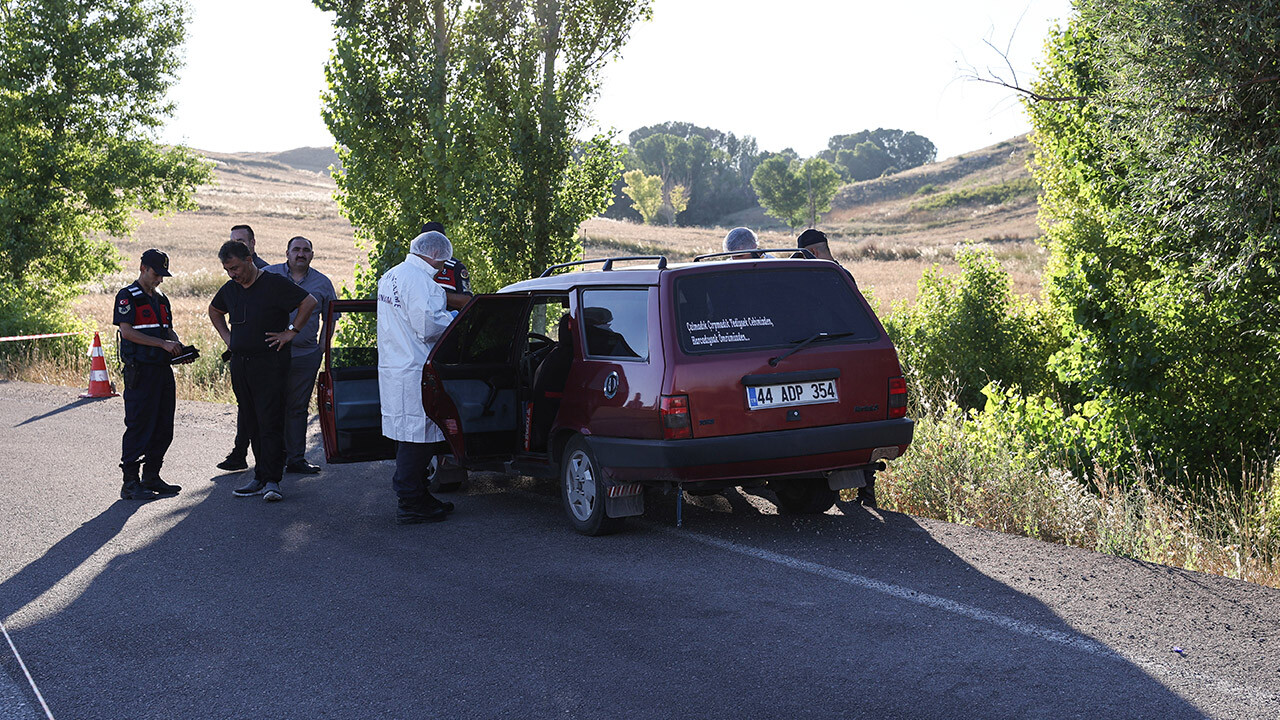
792 73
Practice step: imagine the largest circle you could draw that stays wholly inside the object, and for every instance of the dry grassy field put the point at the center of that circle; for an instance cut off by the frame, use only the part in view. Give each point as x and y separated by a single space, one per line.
876 230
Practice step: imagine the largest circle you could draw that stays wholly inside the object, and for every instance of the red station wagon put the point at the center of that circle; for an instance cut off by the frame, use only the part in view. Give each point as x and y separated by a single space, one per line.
692 377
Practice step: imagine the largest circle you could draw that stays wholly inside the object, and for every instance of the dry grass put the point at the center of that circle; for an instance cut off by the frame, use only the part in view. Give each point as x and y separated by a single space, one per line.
280 202
955 473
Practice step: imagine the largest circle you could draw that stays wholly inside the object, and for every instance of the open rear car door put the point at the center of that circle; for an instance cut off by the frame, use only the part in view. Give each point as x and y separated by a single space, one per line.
347 387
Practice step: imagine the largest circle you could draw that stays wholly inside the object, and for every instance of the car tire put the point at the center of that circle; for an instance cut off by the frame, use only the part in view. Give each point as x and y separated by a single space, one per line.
582 491
810 496
444 480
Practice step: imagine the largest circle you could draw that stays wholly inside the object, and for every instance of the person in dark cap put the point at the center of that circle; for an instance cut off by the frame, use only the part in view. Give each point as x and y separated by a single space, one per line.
147 342
815 241
452 276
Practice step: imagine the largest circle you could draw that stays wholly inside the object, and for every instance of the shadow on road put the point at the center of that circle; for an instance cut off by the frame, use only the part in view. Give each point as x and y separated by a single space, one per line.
64 557
69 406
320 606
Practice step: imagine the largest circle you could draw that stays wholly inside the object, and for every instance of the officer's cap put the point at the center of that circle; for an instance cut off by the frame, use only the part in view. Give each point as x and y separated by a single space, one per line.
157 261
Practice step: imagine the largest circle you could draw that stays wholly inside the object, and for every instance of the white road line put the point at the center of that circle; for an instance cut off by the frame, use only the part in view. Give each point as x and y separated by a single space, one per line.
1173 677
26 672
1072 640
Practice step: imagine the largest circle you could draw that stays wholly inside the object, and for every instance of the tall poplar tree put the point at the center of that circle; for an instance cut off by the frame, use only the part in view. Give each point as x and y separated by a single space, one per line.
469 115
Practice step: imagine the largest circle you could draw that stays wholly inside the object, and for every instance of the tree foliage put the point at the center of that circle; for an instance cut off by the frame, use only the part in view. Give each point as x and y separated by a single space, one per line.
678 198
871 153
779 189
1157 134
645 192
820 182
467 114
793 191
82 93
963 333
715 167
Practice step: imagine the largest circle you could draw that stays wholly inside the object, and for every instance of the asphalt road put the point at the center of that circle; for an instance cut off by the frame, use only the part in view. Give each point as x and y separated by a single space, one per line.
211 606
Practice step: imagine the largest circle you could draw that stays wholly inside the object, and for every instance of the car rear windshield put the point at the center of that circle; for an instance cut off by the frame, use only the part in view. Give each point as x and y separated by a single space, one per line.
767 308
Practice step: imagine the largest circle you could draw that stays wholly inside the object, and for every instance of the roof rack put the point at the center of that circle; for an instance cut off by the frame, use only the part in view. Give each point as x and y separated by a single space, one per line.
757 253
608 262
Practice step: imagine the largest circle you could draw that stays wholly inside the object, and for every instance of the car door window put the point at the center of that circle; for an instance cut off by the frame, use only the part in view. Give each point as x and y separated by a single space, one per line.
615 323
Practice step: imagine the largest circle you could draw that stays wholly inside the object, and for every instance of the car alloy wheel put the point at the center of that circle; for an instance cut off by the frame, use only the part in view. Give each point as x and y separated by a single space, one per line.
582 491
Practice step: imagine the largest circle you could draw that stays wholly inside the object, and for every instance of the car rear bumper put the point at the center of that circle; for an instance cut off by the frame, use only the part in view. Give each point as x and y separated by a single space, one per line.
789 451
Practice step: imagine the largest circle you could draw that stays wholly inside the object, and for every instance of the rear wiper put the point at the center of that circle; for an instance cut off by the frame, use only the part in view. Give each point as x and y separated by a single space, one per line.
802 344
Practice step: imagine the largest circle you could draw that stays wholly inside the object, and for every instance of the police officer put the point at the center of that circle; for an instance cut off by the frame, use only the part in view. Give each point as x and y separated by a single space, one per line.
452 276
147 342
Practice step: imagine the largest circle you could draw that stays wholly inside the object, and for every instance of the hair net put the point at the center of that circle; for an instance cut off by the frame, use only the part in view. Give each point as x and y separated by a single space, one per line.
739 239
433 245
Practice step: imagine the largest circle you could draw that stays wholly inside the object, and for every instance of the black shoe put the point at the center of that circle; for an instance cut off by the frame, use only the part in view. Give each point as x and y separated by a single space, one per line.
412 511
133 490
302 467
251 488
430 502
271 493
157 484
234 462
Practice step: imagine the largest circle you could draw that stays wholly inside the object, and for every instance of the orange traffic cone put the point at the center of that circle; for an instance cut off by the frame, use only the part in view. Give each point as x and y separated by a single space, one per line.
99 386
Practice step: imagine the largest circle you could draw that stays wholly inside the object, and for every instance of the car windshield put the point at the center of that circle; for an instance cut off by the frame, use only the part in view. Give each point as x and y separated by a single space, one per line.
768 308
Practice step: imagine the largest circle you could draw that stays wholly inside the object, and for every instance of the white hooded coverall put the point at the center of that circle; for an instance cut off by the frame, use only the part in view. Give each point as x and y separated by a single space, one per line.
411 317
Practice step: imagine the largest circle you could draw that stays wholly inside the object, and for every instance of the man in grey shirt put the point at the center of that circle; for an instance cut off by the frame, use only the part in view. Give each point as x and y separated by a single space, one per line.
306 352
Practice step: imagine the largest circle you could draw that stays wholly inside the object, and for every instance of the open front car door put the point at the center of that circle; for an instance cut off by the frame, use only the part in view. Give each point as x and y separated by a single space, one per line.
469 385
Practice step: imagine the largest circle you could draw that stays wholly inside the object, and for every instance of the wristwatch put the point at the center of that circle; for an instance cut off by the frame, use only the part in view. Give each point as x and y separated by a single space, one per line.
291 327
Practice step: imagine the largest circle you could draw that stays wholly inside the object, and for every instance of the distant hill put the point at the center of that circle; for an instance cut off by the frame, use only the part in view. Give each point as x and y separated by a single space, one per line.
306 159
984 195
315 159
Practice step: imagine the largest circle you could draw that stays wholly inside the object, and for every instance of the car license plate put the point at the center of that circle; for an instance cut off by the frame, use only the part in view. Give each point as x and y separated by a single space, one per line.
788 394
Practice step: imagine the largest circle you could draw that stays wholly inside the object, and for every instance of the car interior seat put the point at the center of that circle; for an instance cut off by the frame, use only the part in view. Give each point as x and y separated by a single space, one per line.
548 386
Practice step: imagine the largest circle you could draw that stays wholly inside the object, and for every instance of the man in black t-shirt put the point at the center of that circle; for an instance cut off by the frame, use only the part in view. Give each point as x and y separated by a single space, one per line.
147 342
258 304
237 459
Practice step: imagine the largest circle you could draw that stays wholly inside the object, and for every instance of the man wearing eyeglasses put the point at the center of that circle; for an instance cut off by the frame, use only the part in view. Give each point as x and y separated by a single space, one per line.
305 362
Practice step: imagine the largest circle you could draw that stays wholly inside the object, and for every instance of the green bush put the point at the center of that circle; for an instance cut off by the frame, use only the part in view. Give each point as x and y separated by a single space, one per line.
966 332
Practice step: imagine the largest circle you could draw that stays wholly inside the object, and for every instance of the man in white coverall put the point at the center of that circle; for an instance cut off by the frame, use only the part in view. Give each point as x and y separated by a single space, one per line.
412 315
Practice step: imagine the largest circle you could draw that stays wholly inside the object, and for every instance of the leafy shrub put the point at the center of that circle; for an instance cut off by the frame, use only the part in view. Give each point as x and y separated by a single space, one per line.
970 331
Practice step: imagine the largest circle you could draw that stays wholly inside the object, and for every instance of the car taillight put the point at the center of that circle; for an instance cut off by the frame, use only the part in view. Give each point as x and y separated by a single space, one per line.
897 397
674 410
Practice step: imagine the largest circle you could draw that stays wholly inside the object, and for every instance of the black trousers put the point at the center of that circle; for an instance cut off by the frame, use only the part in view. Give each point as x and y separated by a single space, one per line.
259 383
149 402
412 461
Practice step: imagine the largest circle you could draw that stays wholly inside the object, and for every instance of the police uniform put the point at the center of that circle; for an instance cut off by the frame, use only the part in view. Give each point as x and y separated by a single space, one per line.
149 393
453 277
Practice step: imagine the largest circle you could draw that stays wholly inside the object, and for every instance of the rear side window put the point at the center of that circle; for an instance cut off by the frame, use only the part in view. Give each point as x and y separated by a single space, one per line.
767 308
616 323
